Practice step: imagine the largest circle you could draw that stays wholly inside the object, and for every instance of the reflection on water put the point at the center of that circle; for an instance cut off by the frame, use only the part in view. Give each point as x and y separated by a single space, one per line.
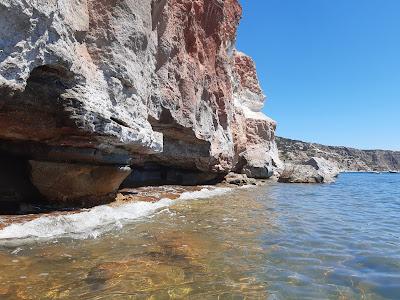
339 241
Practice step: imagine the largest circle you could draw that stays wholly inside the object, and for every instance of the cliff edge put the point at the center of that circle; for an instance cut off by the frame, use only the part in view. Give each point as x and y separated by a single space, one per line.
92 91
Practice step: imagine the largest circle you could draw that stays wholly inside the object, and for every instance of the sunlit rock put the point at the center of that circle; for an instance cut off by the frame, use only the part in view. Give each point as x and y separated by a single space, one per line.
315 170
131 82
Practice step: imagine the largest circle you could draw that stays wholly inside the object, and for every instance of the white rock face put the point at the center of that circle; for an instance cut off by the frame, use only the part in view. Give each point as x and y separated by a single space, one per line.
107 76
255 132
329 170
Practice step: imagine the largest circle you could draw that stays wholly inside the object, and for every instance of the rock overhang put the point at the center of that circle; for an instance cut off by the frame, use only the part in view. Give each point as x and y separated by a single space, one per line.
132 82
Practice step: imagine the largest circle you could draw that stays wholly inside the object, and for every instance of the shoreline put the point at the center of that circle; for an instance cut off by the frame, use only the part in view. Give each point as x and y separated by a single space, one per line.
137 203
311 240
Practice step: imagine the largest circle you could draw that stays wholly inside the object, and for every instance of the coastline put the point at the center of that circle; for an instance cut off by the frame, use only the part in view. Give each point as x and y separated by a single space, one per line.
137 160
275 240
129 206
344 157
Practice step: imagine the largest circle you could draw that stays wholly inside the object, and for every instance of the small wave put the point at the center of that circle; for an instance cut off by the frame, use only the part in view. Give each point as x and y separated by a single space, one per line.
93 222
86 224
204 193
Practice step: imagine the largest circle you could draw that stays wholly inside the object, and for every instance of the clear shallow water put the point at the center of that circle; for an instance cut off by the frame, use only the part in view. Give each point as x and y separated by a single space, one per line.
339 241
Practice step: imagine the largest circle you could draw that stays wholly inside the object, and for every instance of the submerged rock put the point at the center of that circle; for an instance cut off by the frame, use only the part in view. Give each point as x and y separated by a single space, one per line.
129 82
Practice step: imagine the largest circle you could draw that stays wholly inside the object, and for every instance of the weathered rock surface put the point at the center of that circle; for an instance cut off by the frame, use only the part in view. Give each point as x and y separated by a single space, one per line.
346 159
253 132
328 169
315 170
79 184
298 173
131 82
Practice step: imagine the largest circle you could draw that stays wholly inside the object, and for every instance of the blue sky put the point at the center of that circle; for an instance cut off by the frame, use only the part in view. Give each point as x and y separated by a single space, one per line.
330 68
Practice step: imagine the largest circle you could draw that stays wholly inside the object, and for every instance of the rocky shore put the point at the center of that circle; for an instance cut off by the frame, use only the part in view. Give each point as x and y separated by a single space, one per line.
346 159
99 94
316 163
96 96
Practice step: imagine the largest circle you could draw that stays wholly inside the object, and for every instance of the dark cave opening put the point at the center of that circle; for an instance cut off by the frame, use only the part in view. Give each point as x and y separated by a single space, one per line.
17 193
153 174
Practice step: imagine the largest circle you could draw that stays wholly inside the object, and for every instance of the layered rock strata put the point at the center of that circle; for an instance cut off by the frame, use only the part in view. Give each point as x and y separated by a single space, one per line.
89 88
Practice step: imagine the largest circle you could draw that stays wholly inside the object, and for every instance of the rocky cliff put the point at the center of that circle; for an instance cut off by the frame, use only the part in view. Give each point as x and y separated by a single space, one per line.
347 159
91 90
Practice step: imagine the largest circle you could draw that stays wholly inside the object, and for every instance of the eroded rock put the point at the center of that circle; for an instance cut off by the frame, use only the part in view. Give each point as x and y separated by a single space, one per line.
300 174
315 170
253 132
83 185
329 170
138 81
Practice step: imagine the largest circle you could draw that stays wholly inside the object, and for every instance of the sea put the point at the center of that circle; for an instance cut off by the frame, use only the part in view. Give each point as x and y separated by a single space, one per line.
275 241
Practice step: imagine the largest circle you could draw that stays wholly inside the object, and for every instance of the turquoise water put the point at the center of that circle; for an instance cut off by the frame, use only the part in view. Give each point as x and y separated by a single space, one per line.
338 241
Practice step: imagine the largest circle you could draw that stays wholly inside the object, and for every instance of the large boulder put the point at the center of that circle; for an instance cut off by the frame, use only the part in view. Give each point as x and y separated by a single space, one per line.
77 184
315 170
293 173
329 170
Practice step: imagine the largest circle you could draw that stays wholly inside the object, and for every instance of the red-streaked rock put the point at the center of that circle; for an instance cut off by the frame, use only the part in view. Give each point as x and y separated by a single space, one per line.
253 132
157 81
194 82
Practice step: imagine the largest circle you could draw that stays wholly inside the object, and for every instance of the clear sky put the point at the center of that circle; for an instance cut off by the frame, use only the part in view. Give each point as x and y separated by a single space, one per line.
330 68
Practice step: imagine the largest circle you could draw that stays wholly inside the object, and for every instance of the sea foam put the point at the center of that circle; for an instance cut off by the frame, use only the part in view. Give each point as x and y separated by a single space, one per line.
93 222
